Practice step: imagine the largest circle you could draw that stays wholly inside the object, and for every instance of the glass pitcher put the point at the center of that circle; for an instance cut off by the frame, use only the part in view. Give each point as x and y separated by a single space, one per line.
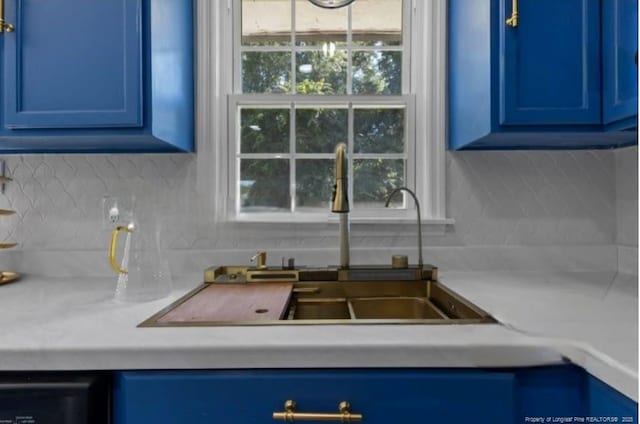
143 271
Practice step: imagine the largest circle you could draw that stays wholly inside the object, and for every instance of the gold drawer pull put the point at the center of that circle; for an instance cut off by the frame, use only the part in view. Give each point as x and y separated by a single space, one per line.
290 415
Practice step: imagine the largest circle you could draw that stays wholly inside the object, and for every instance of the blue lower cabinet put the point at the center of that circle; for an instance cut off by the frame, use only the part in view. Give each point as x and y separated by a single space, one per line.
509 395
381 396
550 392
604 401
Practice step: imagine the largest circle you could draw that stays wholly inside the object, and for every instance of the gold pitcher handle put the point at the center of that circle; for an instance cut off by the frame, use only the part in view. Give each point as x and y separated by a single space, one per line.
113 247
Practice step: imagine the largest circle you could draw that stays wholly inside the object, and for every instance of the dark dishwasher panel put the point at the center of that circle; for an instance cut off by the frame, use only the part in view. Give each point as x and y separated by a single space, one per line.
54 398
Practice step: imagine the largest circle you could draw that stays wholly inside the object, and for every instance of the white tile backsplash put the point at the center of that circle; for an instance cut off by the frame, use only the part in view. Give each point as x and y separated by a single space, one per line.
627 196
524 198
496 199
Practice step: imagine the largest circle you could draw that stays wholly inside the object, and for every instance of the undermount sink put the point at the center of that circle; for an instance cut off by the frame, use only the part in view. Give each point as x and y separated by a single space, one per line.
423 301
420 302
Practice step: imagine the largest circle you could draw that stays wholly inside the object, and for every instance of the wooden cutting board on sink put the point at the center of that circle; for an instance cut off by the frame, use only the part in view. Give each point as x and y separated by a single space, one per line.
233 302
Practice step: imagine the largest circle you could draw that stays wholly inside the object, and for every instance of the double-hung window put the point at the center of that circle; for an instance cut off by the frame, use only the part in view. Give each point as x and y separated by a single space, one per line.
302 79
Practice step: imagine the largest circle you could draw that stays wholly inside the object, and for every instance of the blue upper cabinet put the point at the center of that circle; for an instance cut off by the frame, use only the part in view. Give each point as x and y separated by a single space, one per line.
551 69
85 73
97 76
541 81
620 71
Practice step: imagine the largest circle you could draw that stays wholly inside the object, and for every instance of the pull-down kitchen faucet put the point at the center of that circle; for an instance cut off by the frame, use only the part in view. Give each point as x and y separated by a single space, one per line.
340 202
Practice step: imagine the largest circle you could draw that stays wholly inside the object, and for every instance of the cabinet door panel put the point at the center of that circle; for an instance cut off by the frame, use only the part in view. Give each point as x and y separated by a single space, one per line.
549 65
72 64
620 72
605 401
252 396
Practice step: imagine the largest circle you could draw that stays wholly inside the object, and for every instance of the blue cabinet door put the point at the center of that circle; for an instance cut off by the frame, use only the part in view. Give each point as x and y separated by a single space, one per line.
550 63
73 64
552 82
97 76
382 396
620 71
604 401
552 391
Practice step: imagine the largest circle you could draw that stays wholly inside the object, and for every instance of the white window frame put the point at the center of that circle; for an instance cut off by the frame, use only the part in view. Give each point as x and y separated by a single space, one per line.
215 141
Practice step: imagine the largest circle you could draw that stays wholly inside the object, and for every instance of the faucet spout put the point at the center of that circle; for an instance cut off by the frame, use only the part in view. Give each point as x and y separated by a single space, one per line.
415 199
340 202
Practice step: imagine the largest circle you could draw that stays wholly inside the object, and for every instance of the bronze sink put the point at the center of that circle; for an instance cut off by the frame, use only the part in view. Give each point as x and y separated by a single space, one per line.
320 297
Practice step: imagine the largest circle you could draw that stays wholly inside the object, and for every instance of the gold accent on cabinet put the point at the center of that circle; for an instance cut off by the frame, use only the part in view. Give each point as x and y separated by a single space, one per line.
513 20
4 25
344 415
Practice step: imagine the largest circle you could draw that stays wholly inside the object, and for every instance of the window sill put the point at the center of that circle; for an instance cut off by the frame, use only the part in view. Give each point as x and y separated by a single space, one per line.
321 220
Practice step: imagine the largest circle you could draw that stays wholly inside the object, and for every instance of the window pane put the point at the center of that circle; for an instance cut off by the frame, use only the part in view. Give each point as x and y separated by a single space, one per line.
264 185
319 130
264 130
377 22
318 73
316 26
378 72
314 183
266 22
379 130
266 72
375 179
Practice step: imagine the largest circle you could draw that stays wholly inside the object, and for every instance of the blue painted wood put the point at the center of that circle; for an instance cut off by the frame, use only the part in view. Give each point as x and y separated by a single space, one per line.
73 64
504 92
620 72
382 396
166 88
532 138
171 79
604 401
471 97
556 391
550 71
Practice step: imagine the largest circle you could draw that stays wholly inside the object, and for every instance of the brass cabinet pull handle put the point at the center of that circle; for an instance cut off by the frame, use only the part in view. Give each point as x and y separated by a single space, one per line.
4 25
513 20
290 415
113 247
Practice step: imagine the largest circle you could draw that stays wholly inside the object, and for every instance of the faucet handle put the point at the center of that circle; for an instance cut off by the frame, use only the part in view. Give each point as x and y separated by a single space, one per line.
260 259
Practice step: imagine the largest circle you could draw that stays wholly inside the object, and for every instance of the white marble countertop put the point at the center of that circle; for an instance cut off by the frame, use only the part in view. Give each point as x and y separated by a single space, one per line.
589 318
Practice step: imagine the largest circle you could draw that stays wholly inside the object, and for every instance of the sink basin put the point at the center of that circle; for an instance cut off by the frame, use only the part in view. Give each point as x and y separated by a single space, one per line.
395 308
348 302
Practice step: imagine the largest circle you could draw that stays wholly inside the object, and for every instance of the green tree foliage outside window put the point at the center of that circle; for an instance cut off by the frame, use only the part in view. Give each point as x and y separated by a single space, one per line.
265 182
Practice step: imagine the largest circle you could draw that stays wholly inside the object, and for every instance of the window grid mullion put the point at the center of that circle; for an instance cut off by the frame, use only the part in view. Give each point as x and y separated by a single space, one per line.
285 49
350 141
292 160
349 53
294 77
370 156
